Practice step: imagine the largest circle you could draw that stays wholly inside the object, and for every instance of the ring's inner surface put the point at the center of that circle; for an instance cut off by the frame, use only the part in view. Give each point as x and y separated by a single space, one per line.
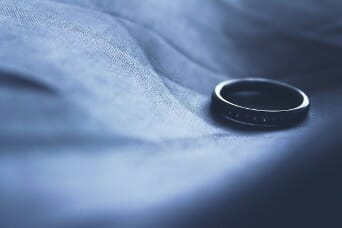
261 95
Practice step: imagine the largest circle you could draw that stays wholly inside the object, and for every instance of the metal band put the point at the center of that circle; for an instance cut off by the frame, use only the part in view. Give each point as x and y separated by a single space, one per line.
296 103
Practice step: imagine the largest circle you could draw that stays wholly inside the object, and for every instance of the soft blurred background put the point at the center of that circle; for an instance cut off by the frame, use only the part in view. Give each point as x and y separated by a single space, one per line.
105 121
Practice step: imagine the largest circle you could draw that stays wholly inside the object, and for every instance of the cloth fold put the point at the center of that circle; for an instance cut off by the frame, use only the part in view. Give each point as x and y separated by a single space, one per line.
105 114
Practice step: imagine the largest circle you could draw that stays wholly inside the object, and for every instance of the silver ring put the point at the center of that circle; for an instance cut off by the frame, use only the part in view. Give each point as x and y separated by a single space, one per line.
260 102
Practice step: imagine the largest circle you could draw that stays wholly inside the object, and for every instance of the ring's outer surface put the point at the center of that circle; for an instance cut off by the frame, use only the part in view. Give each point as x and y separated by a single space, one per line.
225 108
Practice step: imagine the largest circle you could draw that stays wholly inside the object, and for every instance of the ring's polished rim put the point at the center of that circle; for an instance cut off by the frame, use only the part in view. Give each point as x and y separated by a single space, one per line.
259 117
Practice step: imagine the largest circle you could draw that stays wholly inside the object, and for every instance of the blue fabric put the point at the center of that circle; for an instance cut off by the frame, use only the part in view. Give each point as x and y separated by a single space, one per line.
105 116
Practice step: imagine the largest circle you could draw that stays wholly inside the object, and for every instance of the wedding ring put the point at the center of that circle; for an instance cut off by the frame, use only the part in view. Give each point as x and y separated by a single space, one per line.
260 102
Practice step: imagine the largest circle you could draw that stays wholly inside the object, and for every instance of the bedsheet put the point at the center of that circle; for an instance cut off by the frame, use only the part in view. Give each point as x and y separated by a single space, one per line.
105 118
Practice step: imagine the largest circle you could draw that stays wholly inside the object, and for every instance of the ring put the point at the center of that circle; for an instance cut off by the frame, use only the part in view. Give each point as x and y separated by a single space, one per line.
260 102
